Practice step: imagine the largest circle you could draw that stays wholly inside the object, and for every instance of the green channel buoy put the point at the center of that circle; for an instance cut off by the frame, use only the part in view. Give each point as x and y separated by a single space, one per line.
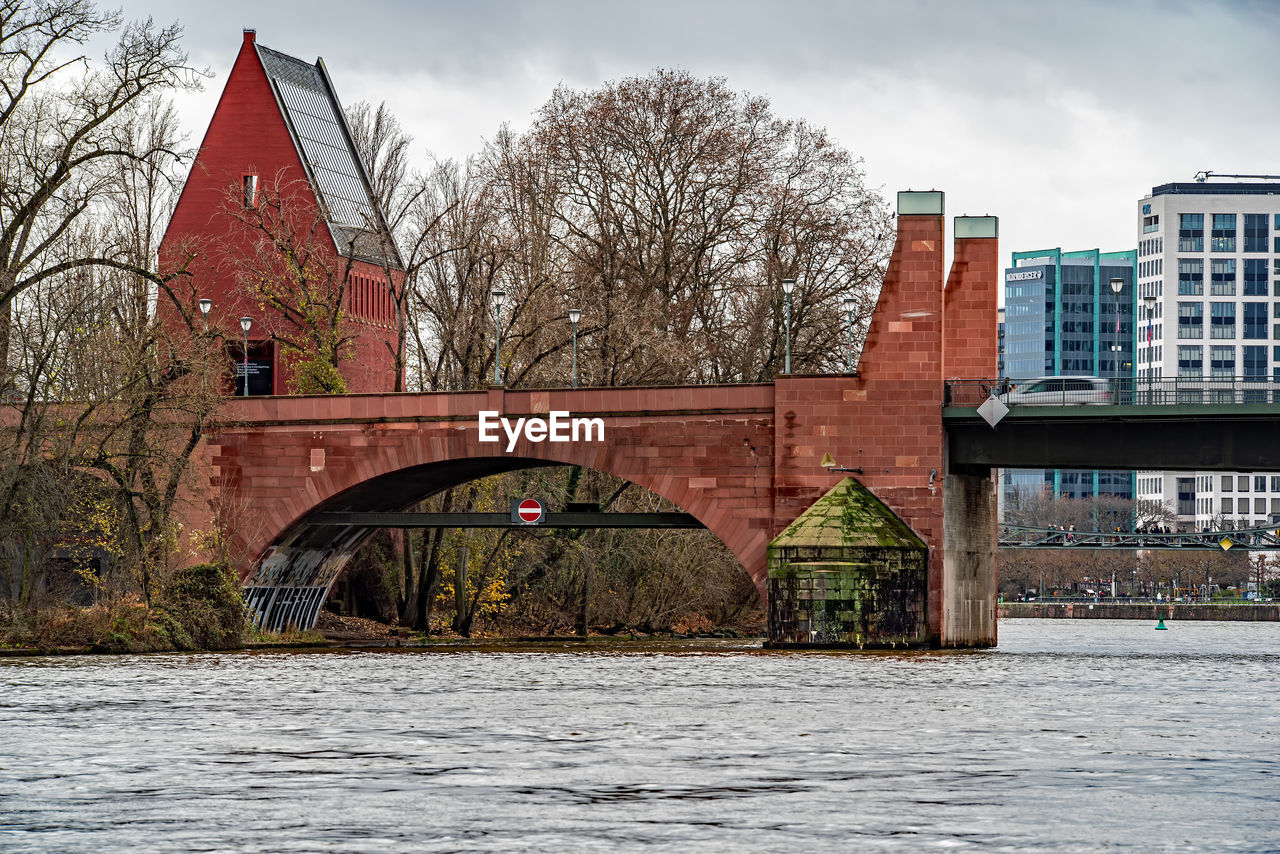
1161 627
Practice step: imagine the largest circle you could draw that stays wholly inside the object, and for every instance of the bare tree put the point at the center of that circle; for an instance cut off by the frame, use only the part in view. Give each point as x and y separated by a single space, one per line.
668 208
63 130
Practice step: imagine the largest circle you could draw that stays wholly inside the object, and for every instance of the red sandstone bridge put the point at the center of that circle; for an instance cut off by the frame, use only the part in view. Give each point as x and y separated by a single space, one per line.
744 460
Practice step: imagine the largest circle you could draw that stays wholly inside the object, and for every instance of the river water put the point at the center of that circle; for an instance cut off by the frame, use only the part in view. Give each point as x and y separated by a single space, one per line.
1073 735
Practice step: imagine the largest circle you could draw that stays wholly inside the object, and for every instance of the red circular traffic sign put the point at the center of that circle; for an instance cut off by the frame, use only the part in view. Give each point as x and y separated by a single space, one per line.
530 510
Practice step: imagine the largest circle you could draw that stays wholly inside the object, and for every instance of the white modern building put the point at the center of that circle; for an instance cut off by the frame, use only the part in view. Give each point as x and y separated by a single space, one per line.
1209 308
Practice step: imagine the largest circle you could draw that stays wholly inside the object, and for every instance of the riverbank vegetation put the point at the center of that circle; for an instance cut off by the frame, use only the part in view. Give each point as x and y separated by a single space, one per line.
102 406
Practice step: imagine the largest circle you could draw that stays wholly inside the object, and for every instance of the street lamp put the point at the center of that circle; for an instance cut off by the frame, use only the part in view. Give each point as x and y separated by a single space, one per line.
205 304
1116 286
497 335
788 285
1150 302
574 316
245 323
848 303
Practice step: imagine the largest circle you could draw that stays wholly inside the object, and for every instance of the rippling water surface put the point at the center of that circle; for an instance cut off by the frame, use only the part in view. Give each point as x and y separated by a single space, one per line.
1072 736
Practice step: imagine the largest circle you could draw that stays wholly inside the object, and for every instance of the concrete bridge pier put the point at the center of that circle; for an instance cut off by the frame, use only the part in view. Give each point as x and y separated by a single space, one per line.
970 533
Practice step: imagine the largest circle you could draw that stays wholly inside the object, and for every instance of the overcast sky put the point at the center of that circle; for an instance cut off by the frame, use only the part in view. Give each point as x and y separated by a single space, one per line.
1056 117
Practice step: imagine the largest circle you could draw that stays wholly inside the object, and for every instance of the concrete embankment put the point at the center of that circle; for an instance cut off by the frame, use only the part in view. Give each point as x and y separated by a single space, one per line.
1140 611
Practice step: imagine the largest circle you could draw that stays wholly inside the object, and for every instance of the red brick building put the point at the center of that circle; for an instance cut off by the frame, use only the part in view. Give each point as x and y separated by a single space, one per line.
278 222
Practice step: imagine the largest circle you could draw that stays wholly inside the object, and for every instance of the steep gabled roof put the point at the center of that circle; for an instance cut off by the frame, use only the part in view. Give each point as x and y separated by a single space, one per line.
315 120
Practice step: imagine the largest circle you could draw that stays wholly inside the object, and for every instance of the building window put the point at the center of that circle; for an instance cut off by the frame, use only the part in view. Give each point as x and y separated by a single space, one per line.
1190 320
1222 277
1227 505
1190 361
1191 232
1259 483
250 191
1150 223
1275 484
1255 277
1222 362
1255 320
1223 237
1190 277
1222 320
1254 359
1259 506
1227 482
1186 496
1255 233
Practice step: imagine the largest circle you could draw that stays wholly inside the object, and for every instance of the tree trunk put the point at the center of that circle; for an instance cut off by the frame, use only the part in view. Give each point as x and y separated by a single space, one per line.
406 591
584 603
428 572
6 322
461 621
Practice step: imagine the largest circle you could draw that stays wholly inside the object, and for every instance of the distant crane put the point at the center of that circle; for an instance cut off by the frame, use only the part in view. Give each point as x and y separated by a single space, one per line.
1201 177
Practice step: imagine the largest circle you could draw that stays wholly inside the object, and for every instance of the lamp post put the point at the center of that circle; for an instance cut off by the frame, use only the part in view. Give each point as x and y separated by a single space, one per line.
788 285
1150 302
205 304
847 304
1116 286
574 316
245 323
497 335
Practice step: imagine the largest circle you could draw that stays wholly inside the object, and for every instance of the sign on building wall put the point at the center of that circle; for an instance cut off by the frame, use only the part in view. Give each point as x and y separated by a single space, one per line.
1024 275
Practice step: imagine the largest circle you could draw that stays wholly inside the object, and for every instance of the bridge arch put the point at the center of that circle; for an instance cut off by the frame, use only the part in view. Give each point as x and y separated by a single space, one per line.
716 466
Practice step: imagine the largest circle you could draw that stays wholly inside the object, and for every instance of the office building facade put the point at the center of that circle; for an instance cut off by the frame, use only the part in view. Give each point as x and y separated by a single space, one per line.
1063 318
1209 255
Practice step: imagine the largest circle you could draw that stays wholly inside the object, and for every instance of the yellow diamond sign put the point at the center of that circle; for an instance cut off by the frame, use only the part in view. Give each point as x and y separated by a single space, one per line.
1226 543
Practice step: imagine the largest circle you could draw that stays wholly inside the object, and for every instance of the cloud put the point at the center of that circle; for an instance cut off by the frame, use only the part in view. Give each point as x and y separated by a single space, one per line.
1055 117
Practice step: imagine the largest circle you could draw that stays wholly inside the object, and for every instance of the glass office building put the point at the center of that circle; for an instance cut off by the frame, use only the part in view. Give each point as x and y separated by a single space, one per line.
1063 318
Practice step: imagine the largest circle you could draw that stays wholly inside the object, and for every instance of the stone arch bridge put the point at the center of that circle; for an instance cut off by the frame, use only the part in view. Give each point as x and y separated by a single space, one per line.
743 459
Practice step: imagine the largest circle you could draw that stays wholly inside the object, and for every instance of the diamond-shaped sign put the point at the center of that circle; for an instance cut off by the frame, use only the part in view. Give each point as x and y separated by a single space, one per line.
992 410
1226 543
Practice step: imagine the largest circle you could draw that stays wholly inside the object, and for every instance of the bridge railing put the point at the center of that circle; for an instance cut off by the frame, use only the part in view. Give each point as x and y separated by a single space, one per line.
1123 391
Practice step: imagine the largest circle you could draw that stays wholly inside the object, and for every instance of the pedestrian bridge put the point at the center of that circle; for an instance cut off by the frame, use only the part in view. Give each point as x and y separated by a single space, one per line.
1251 539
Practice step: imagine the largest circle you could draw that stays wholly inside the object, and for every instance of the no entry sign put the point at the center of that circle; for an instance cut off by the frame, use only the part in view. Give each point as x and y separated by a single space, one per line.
527 511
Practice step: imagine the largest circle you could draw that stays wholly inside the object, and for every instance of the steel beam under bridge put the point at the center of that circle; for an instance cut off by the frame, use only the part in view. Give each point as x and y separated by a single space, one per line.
1206 438
503 520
